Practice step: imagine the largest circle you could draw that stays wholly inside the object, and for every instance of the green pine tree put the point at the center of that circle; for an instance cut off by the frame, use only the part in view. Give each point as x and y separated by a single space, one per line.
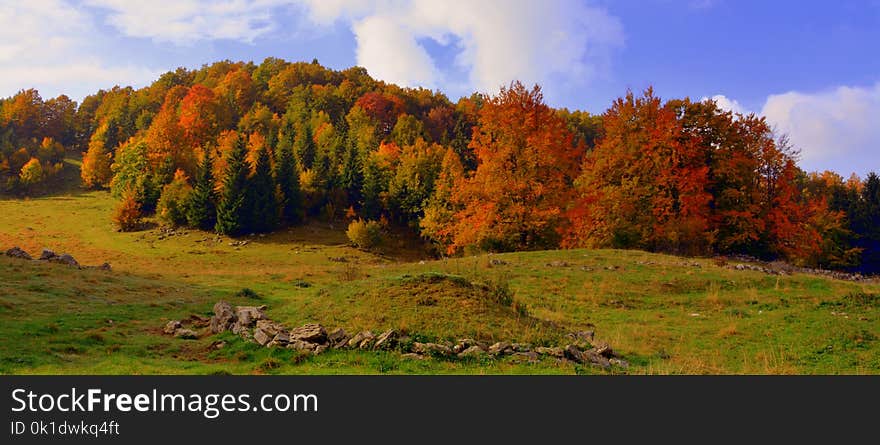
201 209
261 201
232 210
287 181
352 176
305 148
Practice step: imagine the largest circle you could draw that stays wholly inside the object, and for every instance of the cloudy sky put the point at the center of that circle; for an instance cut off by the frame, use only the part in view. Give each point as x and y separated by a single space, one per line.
812 67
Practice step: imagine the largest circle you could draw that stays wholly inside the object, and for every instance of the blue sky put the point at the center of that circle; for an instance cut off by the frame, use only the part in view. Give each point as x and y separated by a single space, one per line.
812 67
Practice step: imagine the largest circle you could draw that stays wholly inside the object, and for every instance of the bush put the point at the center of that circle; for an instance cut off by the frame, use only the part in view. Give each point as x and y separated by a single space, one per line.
171 208
127 216
364 234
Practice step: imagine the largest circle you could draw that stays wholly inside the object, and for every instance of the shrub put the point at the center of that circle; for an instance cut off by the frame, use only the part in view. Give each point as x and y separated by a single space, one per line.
32 172
127 216
364 234
172 205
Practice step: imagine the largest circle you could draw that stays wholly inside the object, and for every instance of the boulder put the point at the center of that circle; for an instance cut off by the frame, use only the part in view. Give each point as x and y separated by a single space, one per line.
368 341
594 359
261 337
582 339
66 259
337 338
267 330
554 351
603 348
186 334
300 345
223 317
16 252
319 349
472 351
502 347
434 349
386 340
530 356
172 326
463 344
312 333
573 353
47 255
618 362
248 315
358 338
521 347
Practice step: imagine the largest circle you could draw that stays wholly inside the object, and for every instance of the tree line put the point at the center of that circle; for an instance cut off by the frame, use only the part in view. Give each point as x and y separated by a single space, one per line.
243 148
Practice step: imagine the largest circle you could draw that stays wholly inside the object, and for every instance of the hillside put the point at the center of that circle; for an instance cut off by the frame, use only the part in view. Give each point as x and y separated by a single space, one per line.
664 314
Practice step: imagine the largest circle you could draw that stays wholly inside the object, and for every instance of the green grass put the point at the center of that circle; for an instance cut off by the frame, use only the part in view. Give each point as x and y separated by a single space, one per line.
665 315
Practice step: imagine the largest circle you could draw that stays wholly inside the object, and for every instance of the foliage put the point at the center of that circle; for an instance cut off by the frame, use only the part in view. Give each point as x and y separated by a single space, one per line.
172 205
232 208
201 209
127 216
365 234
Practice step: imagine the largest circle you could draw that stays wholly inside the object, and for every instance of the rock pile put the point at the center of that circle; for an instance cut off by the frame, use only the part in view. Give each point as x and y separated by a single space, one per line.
252 324
50 256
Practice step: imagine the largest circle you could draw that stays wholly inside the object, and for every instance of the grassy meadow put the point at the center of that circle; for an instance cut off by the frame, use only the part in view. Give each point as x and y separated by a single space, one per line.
664 314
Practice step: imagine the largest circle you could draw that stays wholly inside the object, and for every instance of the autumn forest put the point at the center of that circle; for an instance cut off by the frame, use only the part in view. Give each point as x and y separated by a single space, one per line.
241 148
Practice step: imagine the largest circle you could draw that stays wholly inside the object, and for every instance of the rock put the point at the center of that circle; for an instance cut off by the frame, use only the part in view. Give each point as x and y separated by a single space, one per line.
300 345
595 359
386 340
618 362
502 347
219 344
413 356
172 326
463 344
603 348
497 262
16 252
358 338
368 341
47 255
582 339
586 357
554 351
434 349
337 338
105 266
66 259
270 327
531 357
261 337
472 351
312 333
223 317
572 353
521 347
319 349
186 334
282 338
248 315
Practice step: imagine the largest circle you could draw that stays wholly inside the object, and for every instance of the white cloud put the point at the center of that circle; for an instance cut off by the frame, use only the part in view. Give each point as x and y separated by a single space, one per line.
497 41
727 104
190 21
837 129
44 44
